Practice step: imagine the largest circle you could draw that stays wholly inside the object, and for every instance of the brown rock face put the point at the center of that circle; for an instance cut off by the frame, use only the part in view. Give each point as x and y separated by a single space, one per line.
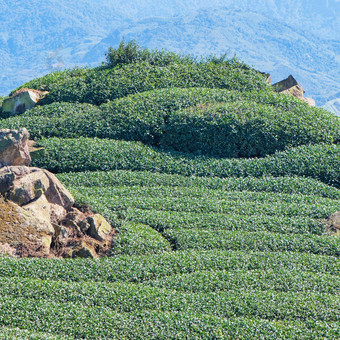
24 233
333 222
22 100
30 183
14 147
38 218
292 87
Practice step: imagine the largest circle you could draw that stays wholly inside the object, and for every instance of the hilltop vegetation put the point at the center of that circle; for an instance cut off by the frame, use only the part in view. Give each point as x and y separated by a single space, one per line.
218 187
293 37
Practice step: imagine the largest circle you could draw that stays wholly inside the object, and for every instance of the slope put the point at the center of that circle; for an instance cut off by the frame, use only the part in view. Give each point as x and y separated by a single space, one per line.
210 245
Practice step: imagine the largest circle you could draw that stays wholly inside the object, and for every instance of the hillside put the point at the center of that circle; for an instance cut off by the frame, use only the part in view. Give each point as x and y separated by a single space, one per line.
219 189
294 37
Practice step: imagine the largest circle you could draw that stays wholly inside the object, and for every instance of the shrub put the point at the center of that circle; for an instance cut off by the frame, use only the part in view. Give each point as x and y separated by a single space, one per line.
131 52
283 185
319 161
98 85
58 120
213 122
245 129
139 239
252 241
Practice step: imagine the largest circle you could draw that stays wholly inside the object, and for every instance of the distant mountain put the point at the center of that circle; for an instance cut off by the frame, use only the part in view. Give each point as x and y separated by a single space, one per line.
298 37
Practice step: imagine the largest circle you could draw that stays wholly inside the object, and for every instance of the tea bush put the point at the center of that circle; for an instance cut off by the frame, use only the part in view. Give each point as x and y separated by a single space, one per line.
204 246
320 162
98 85
287 185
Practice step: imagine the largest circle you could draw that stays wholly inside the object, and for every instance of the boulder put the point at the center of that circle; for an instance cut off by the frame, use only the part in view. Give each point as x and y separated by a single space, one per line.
83 250
99 228
333 222
37 213
30 183
291 87
22 100
14 147
26 234
83 234
38 218
56 193
6 181
309 101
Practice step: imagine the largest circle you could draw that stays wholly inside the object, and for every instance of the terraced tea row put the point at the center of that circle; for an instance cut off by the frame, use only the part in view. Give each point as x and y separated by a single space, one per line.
211 122
252 241
123 298
118 178
207 203
85 154
148 267
161 220
153 324
280 280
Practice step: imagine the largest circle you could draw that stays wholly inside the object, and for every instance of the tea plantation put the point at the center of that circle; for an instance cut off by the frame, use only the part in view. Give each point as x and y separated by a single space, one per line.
219 189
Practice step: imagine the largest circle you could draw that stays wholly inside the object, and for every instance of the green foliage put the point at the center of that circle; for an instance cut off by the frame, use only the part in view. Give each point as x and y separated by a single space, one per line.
139 239
46 82
82 320
252 241
286 185
17 333
127 298
204 247
58 120
131 52
245 130
83 154
162 220
275 280
201 121
152 266
190 200
98 85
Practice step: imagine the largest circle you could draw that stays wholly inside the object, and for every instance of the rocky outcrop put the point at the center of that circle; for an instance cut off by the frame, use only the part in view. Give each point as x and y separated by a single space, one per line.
22 232
22 100
38 217
333 222
14 149
292 87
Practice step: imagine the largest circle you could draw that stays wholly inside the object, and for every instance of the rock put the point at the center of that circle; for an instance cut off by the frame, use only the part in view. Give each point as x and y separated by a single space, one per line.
99 228
76 219
14 147
289 86
333 222
22 100
292 87
38 217
56 193
79 227
21 230
57 212
309 101
84 250
7 251
6 181
28 185
40 208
